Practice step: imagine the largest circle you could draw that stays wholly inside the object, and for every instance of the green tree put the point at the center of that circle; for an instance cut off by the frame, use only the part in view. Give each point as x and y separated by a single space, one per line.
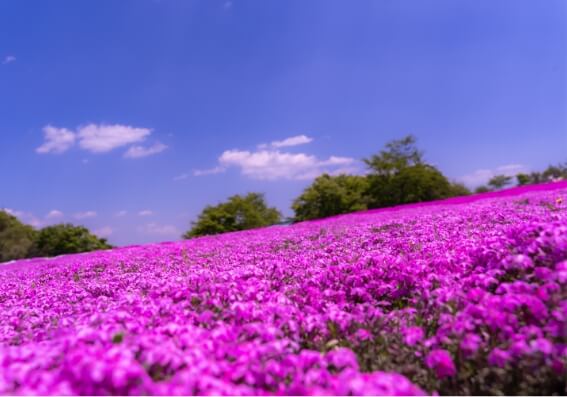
397 155
66 239
523 179
238 213
398 174
499 181
554 172
420 182
459 189
482 189
16 238
331 195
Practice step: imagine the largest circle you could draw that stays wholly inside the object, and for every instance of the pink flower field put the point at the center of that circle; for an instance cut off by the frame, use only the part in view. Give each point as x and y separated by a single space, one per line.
463 296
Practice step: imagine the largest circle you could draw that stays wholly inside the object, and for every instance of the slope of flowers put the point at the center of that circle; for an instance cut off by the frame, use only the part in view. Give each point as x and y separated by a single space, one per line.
467 298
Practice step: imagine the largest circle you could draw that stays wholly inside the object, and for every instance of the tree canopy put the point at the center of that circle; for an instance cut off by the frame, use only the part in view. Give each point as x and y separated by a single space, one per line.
397 155
16 238
398 175
65 239
499 181
331 195
238 213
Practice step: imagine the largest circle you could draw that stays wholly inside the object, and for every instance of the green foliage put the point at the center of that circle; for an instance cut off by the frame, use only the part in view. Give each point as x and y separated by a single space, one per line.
459 189
399 175
399 154
238 213
65 239
551 173
499 181
16 238
331 195
523 179
420 182
482 189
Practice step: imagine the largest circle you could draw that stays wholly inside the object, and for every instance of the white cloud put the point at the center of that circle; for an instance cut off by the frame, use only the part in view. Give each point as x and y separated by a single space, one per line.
272 165
145 213
227 5
121 213
8 59
57 140
105 231
140 151
291 141
155 228
85 215
181 177
100 138
53 214
103 138
482 176
210 171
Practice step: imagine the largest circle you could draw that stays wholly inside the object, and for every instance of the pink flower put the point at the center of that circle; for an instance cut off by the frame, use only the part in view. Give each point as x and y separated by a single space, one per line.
470 344
413 335
498 358
441 362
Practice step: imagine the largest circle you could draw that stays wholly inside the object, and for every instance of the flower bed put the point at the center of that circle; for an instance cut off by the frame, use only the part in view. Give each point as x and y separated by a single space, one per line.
466 297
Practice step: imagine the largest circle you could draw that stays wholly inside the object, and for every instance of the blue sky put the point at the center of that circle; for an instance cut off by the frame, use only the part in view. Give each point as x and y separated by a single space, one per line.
130 116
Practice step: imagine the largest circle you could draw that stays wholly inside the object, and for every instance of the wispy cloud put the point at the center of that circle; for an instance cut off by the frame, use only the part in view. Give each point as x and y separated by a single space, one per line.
104 232
482 176
57 140
273 164
269 162
8 59
210 171
85 215
145 213
291 141
99 138
227 5
121 213
54 214
181 177
140 151
157 229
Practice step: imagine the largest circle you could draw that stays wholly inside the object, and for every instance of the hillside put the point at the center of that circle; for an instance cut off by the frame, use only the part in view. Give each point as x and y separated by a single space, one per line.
462 296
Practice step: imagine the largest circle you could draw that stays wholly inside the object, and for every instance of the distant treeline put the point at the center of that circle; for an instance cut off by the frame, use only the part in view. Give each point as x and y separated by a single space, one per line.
18 240
398 174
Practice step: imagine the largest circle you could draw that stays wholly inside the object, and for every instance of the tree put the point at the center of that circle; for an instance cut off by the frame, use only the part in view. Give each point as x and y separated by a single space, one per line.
459 189
331 195
555 172
523 179
398 174
482 189
238 213
66 239
16 238
399 154
420 182
499 181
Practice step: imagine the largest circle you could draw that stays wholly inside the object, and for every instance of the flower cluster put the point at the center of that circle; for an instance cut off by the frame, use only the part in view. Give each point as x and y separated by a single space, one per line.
461 297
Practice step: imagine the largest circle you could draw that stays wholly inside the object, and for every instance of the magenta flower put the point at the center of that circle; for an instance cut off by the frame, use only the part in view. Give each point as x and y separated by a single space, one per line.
470 344
441 362
498 358
413 335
